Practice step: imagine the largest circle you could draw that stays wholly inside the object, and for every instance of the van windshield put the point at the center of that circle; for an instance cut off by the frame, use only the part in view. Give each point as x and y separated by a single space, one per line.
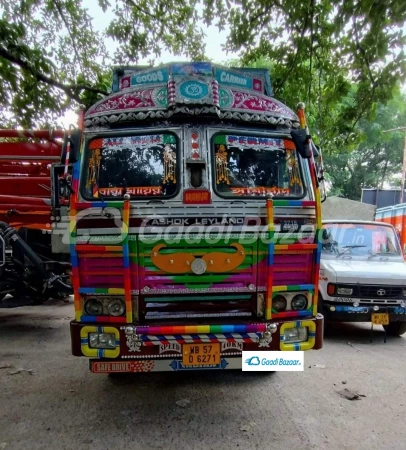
359 239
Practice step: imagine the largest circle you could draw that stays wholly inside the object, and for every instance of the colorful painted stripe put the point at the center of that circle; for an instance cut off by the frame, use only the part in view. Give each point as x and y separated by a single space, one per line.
295 287
270 260
126 262
201 329
99 204
102 319
307 312
114 291
98 248
299 203
279 247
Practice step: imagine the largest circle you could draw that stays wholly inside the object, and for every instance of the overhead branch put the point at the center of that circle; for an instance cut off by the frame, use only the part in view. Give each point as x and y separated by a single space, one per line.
289 71
259 15
60 11
363 53
71 90
311 52
172 29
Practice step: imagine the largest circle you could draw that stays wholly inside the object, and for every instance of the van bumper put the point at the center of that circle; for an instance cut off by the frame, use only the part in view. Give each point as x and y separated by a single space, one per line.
339 312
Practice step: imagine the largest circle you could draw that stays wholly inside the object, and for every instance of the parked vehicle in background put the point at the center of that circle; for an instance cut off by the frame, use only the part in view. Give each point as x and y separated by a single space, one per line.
32 267
363 275
396 216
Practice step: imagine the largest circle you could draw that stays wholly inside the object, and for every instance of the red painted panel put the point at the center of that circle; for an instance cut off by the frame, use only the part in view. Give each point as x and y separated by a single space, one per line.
28 151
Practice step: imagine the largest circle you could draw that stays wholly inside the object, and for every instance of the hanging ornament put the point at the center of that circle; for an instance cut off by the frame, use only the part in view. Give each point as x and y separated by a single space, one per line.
293 168
169 165
221 165
94 167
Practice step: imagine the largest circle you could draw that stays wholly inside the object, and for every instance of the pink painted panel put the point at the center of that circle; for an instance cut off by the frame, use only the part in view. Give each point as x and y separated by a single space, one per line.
105 272
287 276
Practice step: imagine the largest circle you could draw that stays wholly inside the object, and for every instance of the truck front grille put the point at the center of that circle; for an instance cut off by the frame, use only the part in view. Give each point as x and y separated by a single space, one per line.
235 305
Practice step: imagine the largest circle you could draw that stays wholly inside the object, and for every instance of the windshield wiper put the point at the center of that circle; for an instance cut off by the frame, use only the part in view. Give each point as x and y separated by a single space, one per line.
349 247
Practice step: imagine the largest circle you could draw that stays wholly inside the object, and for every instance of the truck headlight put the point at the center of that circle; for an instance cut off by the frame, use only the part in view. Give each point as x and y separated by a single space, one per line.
299 302
279 303
116 307
297 334
404 293
93 307
344 291
102 340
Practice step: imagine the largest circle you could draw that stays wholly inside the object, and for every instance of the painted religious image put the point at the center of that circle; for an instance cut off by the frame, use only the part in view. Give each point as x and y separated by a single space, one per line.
252 166
142 165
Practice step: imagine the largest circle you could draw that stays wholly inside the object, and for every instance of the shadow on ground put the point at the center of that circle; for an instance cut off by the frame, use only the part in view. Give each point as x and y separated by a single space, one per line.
356 333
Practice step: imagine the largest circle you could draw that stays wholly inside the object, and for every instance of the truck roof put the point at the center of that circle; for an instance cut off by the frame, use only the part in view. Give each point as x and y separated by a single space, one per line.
190 89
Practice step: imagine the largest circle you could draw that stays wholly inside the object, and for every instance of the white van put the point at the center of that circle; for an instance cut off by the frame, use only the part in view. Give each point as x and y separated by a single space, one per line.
363 274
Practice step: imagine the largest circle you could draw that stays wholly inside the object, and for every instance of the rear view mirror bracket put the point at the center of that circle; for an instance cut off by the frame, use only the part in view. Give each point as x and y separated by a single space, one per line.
302 142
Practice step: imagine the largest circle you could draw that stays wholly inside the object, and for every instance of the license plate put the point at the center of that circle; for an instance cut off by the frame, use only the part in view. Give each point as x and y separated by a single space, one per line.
291 226
380 319
200 354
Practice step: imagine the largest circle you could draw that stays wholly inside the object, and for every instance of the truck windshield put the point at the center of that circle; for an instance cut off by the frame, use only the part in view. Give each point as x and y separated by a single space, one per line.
359 239
141 165
252 166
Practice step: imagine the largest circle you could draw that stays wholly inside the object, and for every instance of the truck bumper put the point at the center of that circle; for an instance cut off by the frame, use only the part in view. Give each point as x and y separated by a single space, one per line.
142 352
338 312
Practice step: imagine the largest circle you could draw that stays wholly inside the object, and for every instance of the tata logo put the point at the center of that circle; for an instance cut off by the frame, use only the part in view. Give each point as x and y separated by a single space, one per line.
253 361
381 292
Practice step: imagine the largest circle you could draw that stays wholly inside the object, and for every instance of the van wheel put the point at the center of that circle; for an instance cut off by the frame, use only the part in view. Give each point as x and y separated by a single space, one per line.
395 328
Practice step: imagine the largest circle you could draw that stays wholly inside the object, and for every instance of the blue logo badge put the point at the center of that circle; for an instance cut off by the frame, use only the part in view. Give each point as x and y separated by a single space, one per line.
253 361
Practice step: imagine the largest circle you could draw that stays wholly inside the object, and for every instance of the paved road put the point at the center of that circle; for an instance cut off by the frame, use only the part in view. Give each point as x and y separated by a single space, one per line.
63 406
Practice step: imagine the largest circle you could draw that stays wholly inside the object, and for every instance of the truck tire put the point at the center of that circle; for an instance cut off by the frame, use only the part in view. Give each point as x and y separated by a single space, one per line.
395 328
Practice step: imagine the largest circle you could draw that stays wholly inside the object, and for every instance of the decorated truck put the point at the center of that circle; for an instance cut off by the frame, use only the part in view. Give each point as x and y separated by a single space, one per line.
193 222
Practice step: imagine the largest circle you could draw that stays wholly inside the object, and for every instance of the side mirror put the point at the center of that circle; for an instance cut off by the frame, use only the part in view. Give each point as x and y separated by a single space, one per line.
302 142
74 140
60 188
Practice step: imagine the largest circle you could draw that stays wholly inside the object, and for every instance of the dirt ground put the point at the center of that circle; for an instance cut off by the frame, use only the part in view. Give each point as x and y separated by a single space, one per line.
55 403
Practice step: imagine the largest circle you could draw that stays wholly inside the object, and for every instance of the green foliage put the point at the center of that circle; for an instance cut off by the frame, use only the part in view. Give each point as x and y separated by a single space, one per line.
48 49
146 27
376 160
318 50
341 58
52 58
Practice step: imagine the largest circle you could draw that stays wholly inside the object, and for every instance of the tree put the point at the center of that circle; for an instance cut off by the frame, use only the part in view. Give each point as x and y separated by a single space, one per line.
376 160
321 48
51 56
